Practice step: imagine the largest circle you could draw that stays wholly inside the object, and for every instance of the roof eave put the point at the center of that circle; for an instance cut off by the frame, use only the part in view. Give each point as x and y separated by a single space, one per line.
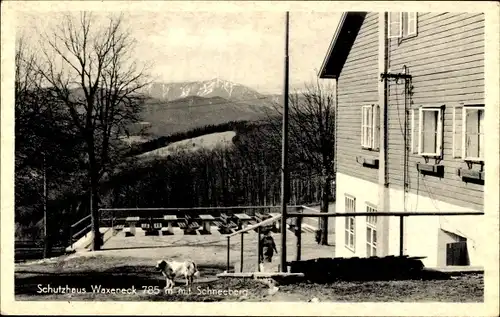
341 44
322 72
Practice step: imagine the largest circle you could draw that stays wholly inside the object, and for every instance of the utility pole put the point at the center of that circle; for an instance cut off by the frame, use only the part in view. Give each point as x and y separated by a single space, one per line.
284 156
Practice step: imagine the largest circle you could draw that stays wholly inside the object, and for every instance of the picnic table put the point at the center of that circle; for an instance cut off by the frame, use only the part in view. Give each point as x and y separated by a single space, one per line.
206 222
131 223
243 220
169 219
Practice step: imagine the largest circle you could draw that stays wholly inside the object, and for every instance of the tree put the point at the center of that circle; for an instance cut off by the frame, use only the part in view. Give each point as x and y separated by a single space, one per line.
312 138
88 67
44 149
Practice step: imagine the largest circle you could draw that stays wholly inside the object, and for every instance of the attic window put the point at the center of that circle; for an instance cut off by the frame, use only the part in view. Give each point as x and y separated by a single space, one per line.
402 24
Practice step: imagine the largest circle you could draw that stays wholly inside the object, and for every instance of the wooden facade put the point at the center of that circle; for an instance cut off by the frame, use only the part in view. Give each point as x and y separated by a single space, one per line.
446 62
445 59
357 86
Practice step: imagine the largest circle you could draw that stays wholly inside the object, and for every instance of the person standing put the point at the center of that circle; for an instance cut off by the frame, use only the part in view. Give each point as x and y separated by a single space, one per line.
268 247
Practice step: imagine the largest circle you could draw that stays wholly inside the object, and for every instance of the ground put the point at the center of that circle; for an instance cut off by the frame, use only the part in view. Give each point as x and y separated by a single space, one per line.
128 262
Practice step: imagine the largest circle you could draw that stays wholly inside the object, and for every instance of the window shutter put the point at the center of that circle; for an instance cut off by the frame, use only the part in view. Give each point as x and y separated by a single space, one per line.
439 139
457 132
411 23
395 24
376 127
363 124
369 134
414 131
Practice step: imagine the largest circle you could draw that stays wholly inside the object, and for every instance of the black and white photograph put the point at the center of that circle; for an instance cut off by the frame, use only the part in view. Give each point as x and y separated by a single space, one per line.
312 153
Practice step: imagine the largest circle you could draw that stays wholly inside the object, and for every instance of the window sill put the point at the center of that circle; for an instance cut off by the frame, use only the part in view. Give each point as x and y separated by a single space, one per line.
431 169
473 160
350 249
430 155
367 162
371 149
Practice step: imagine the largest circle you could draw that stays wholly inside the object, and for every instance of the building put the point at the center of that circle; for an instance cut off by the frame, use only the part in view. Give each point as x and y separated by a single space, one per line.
410 132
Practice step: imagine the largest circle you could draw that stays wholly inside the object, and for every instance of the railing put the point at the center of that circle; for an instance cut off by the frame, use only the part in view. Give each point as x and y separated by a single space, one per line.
114 214
258 226
300 214
79 229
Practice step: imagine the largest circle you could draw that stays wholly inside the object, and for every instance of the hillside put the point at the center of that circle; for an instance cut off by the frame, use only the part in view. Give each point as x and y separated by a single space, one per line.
207 141
161 118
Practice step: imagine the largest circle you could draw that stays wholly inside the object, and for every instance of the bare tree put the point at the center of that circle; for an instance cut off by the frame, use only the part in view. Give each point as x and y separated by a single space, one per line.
89 67
312 138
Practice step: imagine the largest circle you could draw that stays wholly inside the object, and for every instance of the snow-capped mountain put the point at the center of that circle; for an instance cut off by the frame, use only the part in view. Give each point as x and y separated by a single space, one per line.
210 88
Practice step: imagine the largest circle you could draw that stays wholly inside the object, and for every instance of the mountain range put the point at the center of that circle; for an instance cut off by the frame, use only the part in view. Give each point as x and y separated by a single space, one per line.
177 107
215 87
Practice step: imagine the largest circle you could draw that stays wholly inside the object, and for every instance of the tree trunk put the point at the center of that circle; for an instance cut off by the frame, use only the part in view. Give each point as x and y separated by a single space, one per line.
324 208
94 212
94 198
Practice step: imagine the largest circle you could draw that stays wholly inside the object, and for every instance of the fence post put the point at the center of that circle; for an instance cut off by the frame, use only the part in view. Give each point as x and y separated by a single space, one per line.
70 236
298 233
258 248
401 235
228 246
241 254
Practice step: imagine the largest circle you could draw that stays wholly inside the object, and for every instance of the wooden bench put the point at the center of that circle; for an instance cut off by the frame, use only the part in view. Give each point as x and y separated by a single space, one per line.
119 227
261 217
182 224
193 225
224 218
157 225
232 224
217 223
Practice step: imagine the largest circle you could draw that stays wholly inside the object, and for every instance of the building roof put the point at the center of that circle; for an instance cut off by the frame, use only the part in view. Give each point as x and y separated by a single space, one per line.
343 39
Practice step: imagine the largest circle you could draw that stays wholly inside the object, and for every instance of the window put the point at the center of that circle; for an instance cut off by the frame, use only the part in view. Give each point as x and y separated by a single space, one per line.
402 24
371 232
411 23
395 22
350 223
370 127
430 131
473 133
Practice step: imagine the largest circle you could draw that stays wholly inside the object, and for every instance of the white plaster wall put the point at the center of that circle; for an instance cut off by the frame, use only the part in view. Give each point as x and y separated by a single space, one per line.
421 232
364 192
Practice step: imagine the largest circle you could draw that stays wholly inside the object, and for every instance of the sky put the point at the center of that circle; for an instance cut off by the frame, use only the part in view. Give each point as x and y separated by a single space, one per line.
245 47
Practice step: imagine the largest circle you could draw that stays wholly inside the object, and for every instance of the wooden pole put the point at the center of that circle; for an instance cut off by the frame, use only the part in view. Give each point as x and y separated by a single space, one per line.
284 155
401 235
228 247
298 228
241 253
258 248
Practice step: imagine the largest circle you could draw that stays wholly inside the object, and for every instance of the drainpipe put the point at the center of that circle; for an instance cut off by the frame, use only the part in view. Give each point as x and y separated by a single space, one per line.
383 184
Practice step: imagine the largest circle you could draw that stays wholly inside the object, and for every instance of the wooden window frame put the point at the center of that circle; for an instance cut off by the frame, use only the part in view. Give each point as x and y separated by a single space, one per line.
411 21
464 132
347 226
373 126
371 227
399 22
439 131
406 24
